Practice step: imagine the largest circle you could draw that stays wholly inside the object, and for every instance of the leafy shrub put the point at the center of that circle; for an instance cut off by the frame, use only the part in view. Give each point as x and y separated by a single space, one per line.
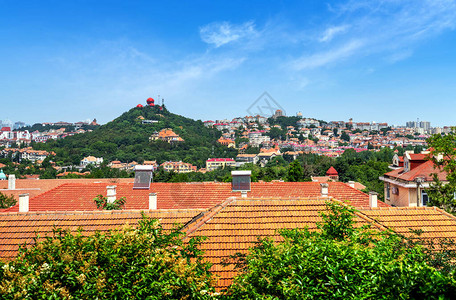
7 201
129 263
102 203
336 263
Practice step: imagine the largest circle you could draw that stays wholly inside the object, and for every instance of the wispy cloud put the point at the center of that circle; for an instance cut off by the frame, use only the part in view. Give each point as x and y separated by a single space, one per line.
389 28
332 31
324 58
221 33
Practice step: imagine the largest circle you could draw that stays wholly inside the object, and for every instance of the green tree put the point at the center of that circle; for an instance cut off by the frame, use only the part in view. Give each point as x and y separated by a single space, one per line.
295 171
336 263
102 203
129 263
7 201
442 194
344 136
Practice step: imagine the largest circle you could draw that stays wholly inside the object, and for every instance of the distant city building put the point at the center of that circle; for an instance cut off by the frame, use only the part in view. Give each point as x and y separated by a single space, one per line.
411 124
422 124
278 113
425 125
91 160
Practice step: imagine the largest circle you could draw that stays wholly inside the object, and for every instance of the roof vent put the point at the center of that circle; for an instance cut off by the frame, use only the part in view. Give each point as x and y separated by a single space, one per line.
241 181
143 177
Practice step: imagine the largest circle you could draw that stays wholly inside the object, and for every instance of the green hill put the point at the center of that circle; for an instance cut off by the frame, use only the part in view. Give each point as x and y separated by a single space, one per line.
127 139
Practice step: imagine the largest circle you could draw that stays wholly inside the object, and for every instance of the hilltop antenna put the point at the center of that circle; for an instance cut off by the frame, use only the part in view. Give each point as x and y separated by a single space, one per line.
163 101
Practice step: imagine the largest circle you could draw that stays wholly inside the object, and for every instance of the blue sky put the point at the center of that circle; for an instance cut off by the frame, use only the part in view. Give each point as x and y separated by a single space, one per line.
386 61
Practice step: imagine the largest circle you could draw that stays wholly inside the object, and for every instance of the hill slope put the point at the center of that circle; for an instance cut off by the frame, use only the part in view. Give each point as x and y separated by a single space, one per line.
127 139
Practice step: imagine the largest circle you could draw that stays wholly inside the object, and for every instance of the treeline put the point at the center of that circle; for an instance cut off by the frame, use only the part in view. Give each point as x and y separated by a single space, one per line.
365 167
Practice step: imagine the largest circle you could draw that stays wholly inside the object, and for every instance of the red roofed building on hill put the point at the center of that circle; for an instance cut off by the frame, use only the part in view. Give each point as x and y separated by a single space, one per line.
406 184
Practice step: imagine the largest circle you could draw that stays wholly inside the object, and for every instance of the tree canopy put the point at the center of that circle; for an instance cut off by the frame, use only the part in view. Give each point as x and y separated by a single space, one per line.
340 261
128 263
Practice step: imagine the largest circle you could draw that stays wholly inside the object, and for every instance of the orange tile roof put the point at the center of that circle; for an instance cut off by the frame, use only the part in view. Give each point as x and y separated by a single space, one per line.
238 223
236 227
37 187
424 170
434 222
19 228
79 196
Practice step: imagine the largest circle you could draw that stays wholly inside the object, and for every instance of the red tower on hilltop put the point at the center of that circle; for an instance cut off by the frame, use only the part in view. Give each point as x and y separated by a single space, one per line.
150 102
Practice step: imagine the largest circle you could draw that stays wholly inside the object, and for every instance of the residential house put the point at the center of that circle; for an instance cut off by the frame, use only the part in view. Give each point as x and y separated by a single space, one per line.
91 160
226 142
178 167
219 163
167 135
247 158
406 185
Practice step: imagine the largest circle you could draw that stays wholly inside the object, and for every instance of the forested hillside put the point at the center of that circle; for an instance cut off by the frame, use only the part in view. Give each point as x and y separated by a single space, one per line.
127 139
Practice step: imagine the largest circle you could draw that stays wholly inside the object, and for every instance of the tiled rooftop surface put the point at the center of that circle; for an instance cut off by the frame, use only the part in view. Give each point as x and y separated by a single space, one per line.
35 187
79 196
19 228
236 227
434 222
424 170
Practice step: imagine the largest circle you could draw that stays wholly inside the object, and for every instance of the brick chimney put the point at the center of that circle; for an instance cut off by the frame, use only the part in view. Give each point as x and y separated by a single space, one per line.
324 189
11 182
111 193
153 201
23 202
351 184
373 199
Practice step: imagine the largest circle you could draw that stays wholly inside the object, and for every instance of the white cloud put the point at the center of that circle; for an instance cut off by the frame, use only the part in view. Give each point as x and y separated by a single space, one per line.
330 32
325 58
221 33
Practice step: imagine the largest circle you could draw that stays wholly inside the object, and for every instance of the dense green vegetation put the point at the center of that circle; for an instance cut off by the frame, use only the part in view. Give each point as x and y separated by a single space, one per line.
443 194
127 139
341 262
128 263
7 201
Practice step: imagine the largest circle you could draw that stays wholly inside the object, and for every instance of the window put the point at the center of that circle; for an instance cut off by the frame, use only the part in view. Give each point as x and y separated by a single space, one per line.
387 190
424 198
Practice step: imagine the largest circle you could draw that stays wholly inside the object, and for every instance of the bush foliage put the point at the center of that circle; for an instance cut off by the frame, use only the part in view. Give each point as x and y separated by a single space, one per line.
129 263
336 263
